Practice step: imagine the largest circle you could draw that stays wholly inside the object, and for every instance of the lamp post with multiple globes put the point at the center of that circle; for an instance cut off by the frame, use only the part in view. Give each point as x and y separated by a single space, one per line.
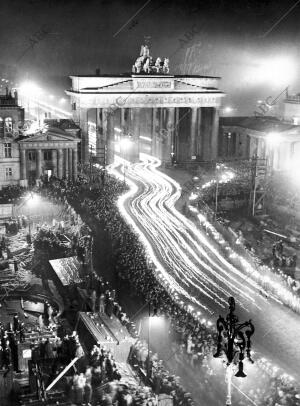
233 342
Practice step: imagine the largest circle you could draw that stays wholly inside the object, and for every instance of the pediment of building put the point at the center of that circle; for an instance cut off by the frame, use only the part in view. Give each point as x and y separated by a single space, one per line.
49 136
144 84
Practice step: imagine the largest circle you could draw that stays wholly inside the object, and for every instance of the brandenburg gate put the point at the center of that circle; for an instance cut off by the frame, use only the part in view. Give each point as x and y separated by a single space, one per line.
168 116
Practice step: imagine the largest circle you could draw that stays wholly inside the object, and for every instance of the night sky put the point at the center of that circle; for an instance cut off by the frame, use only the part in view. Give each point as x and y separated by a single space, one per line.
47 40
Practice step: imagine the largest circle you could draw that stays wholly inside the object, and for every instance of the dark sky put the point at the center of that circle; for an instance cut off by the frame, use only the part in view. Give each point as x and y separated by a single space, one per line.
223 38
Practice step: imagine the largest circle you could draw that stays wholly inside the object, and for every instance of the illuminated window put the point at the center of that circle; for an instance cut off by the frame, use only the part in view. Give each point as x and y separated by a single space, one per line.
8 124
7 150
8 173
47 155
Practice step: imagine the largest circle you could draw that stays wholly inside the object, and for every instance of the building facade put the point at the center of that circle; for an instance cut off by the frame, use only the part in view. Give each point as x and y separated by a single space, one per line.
24 159
291 108
11 121
165 115
50 153
266 138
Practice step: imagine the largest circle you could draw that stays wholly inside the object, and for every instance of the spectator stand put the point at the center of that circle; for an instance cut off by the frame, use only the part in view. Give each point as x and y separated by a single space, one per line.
106 331
67 274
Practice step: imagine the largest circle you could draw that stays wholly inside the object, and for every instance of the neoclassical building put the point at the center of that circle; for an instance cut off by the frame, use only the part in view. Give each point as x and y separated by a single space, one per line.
267 138
164 115
53 152
24 159
11 120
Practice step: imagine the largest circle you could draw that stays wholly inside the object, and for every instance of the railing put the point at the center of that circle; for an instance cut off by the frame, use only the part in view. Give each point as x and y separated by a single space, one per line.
295 99
8 102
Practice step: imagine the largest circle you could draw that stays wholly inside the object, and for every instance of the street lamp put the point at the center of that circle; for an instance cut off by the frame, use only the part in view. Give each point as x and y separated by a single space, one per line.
233 341
223 177
150 319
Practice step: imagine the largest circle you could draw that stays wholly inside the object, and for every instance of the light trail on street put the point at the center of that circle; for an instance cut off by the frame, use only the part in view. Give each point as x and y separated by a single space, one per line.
194 268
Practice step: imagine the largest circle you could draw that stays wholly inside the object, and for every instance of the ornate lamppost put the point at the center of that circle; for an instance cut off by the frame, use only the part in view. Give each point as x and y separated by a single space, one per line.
233 342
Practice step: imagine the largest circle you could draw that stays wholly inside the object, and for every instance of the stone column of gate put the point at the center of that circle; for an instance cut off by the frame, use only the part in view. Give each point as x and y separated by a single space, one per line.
122 118
38 163
104 116
54 161
168 134
161 134
207 127
176 133
66 163
98 135
214 134
23 174
155 131
60 163
70 162
75 160
199 138
133 152
83 117
110 137
193 133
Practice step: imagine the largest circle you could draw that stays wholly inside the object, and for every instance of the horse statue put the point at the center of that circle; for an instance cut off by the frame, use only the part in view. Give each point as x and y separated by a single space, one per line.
157 65
166 68
146 66
137 67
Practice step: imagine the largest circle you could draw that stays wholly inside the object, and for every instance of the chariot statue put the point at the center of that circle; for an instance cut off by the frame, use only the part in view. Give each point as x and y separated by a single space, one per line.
144 63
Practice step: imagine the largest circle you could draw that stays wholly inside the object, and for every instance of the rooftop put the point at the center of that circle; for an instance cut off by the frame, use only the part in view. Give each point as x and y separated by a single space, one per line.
131 75
260 124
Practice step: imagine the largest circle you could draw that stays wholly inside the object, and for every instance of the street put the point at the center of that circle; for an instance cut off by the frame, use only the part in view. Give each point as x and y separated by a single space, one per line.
198 274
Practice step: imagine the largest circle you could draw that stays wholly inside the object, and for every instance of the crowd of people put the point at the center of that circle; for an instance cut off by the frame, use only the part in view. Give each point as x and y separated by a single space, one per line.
97 382
132 265
280 259
11 193
271 279
10 337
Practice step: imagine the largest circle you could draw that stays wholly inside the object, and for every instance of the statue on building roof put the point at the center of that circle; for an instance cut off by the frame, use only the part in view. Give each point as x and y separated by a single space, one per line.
166 66
146 66
144 63
145 52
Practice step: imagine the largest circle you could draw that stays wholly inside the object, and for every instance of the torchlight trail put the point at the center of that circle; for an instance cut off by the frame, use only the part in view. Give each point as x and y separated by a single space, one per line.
189 263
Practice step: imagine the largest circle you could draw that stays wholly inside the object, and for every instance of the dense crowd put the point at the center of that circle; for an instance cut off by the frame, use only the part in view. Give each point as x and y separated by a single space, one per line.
133 266
97 381
10 337
11 193
280 259
271 279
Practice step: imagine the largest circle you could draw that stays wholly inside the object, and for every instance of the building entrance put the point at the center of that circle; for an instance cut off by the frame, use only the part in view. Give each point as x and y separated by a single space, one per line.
47 174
